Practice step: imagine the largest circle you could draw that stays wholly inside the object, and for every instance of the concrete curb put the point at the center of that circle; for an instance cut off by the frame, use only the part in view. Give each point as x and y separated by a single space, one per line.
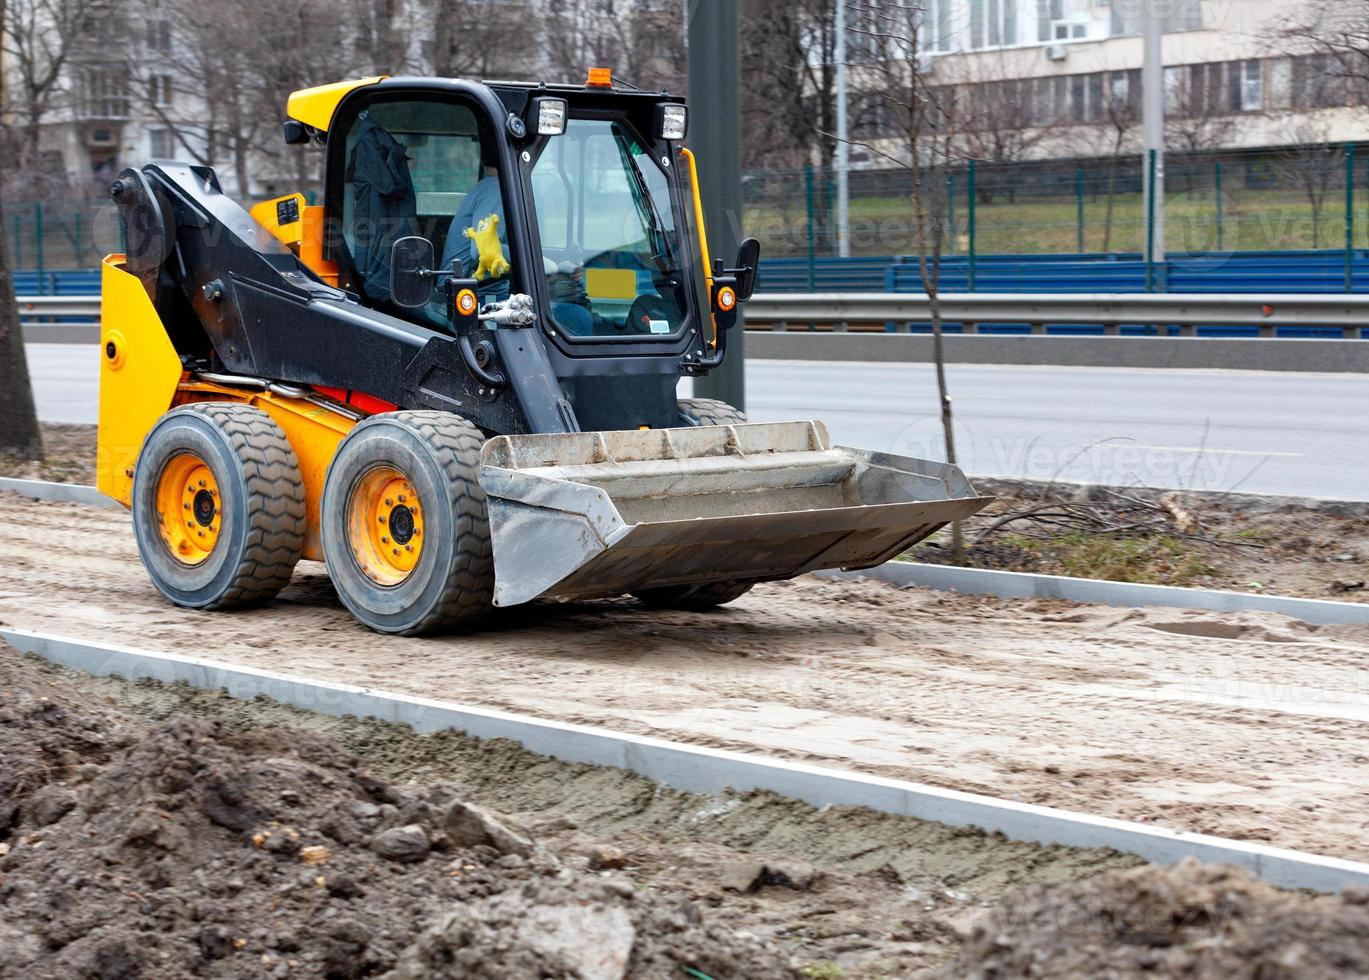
56 333
704 770
74 493
1240 354
1023 585
1244 354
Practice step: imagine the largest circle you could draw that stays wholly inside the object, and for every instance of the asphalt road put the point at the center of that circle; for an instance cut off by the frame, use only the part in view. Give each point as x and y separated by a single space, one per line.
1250 431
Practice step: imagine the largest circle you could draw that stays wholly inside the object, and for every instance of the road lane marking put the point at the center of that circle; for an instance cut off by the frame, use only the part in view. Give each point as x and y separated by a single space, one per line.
1211 449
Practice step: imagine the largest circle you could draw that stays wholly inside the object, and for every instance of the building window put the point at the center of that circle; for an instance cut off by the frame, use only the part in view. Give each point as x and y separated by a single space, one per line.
159 36
1247 86
1318 82
1061 20
936 27
159 89
159 143
105 94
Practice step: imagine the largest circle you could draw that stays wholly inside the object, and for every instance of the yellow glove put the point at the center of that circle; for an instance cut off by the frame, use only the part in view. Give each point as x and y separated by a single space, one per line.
486 238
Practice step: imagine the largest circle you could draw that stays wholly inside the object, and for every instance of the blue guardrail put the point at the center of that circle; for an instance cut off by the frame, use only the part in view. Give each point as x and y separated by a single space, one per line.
1304 271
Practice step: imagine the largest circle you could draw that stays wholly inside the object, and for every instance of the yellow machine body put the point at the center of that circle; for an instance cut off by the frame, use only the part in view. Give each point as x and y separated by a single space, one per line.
139 373
141 379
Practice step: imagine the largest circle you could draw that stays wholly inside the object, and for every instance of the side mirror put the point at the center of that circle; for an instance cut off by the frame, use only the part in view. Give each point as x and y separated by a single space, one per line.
411 272
748 261
295 132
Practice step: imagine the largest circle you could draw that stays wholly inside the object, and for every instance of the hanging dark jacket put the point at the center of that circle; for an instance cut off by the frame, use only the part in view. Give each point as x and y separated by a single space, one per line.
384 207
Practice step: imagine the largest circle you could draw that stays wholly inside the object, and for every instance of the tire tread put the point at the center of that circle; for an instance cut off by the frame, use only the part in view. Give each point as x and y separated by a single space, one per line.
455 444
274 492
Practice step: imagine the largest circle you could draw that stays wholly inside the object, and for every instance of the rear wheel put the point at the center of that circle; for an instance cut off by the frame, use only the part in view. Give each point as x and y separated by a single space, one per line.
404 525
218 506
709 411
700 411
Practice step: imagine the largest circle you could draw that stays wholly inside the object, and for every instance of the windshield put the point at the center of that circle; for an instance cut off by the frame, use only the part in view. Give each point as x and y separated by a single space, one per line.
608 234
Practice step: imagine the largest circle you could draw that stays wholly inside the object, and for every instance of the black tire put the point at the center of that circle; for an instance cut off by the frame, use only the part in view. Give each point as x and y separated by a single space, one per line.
709 411
700 411
451 580
256 513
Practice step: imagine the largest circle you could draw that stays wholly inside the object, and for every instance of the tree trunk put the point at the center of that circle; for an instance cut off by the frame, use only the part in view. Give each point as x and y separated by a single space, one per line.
947 422
19 433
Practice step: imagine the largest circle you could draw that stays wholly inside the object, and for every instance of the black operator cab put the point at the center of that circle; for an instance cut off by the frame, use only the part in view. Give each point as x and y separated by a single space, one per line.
566 213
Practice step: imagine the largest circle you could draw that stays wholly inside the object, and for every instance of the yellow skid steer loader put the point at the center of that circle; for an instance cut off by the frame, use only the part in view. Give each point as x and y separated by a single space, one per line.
454 379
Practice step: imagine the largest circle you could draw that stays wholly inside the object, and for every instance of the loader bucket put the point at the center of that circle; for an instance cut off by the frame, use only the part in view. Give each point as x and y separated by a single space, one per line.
604 513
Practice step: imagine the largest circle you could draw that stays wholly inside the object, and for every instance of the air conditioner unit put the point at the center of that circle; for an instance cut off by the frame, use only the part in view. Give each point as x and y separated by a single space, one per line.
1056 52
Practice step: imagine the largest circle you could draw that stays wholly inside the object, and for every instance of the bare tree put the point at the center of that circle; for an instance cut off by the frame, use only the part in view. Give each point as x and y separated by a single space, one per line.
19 432
39 38
924 122
471 39
1314 166
219 84
1120 113
1002 122
1338 29
1200 115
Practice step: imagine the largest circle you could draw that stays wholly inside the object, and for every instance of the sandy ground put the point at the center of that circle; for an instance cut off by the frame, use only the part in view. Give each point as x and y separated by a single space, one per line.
1247 726
1275 545
844 889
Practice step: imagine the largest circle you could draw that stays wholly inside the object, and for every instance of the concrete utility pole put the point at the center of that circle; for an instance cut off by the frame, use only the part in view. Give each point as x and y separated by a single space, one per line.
843 147
1153 123
715 137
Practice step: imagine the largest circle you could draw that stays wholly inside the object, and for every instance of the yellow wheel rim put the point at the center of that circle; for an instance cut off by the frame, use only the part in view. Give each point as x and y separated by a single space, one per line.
385 525
189 509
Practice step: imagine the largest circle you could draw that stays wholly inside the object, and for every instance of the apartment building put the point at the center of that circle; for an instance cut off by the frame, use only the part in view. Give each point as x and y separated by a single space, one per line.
1063 76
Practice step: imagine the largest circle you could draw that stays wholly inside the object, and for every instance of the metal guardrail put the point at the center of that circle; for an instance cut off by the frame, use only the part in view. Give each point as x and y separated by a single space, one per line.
1181 313
58 311
1184 313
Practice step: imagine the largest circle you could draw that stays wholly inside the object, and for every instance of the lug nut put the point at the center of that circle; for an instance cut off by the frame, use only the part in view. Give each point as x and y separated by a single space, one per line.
395 550
388 501
384 540
201 483
380 518
408 547
401 498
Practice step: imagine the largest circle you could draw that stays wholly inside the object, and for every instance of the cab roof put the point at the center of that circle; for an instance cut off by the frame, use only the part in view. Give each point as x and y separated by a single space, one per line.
314 107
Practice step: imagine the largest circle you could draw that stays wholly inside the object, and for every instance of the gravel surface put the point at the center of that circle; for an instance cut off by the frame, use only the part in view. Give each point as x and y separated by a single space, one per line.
1249 726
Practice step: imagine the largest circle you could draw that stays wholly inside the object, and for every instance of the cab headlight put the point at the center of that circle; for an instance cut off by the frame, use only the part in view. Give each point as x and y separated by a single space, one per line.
672 121
551 117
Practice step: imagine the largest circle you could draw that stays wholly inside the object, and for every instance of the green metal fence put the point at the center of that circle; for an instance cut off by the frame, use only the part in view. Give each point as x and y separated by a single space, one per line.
1294 198
1303 197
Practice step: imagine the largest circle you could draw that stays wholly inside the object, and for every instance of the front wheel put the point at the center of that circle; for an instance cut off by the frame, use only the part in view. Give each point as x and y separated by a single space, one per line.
405 530
700 411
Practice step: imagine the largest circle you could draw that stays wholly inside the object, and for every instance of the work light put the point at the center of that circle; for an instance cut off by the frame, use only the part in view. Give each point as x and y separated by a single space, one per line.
671 121
551 117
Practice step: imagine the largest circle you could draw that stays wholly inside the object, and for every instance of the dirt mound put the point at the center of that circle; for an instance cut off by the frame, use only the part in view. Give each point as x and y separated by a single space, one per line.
1191 920
183 848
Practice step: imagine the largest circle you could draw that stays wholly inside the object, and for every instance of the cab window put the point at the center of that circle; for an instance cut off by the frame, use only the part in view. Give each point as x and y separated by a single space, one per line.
608 233
410 166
